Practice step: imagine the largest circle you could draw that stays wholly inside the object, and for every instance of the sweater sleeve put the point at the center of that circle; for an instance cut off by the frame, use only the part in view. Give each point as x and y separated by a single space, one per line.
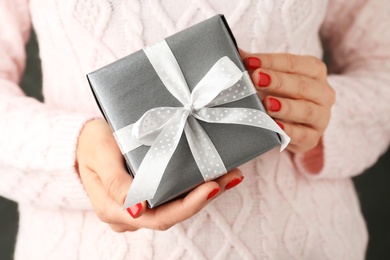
357 35
37 142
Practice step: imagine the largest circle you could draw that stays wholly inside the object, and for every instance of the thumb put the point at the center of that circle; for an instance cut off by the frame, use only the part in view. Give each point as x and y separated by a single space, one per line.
117 183
101 154
115 179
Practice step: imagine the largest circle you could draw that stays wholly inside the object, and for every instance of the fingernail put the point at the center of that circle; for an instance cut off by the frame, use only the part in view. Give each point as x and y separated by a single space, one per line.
135 210
264 80
274 105
234 183
280 125
213 193
253 63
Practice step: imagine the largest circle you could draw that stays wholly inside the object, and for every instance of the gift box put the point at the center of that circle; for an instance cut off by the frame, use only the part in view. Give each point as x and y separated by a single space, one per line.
133 93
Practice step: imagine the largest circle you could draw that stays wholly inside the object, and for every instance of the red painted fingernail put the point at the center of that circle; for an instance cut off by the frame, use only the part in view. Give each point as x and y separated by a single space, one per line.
213 193
274 105
135 210
280 125
234 183
253 63
264 80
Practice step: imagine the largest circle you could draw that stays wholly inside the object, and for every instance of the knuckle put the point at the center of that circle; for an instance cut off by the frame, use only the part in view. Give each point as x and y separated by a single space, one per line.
191 211
306 139
277 81
266 61
332 95
323 68
113 187
308 113
102 214
161 226
287 109
123 228
303 86
292 64
292 134
301 138
131 229
313 141
324 123
117 228
320 67
329 96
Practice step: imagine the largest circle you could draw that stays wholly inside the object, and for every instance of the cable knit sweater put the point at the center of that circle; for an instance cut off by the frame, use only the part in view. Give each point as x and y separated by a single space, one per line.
282 210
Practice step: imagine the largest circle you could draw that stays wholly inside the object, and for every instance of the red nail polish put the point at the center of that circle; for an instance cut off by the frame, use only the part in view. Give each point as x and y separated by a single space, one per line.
253 63
135 210
213 193
280 125
234 183
274 105
264 80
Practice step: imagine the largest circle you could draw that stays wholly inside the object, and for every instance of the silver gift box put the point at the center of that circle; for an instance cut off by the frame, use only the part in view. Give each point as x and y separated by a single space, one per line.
127 88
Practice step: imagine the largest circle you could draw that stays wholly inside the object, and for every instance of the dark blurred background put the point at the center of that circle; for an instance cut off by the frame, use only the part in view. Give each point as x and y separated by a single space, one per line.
373 186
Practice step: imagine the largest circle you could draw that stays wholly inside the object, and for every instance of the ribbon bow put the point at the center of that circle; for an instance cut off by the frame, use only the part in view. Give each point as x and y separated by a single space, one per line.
162 127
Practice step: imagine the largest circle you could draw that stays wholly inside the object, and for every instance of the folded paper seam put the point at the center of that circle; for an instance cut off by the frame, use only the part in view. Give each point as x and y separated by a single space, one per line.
162 127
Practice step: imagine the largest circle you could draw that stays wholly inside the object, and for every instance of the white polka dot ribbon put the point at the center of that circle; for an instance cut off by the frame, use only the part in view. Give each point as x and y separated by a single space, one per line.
162 127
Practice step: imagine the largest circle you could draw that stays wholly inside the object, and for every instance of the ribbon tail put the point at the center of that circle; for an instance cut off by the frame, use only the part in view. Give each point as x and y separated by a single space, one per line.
205 154
242 116
152 168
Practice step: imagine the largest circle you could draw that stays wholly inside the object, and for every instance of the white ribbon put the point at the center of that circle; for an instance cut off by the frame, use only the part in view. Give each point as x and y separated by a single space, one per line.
162 127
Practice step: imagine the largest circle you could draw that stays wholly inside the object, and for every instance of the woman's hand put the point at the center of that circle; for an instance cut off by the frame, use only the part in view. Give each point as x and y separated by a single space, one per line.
102 170
295 92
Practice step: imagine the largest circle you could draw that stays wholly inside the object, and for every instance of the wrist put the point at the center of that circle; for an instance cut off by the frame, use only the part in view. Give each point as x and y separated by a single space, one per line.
313 160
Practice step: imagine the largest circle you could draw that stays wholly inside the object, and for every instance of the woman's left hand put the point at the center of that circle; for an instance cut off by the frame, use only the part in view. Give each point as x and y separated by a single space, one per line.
295 92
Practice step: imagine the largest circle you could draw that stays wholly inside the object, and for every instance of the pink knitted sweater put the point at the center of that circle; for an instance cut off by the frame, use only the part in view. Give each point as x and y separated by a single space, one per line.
281 210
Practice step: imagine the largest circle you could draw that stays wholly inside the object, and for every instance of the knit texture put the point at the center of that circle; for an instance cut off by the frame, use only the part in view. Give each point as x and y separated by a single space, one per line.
288 207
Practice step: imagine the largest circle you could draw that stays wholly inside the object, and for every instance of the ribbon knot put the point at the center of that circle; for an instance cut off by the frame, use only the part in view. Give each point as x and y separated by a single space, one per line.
190 109
162 127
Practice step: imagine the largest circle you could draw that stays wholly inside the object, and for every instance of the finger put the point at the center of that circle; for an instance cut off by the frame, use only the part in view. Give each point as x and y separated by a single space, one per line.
308 66
161 218
230 180
303 138
119 228
243 54
114 177
117 182
169 214
297 111
105 207
291 85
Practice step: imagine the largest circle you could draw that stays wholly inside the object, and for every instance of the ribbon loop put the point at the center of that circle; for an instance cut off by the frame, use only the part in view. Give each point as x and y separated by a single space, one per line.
150 125
241 89
242 116
221 76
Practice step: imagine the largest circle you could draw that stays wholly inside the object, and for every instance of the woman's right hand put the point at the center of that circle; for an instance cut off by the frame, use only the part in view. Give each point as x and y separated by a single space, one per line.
102 171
